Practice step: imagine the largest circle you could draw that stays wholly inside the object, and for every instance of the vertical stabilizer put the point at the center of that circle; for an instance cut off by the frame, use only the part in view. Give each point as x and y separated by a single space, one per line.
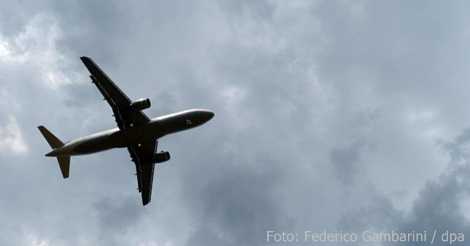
64 164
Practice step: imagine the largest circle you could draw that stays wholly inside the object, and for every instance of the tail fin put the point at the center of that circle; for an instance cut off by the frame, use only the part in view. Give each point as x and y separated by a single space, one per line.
64 164
54 142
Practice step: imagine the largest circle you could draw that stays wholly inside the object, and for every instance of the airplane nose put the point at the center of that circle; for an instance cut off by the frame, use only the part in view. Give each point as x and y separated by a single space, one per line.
210 115
203 116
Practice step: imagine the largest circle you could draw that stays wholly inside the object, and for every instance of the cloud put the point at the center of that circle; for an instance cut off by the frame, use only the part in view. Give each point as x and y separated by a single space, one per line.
36 45
439 203
116 217
329 115
11 138
438 206
344 160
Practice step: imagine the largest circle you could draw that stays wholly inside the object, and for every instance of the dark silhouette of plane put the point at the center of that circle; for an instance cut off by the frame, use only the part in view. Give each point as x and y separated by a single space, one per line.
135 131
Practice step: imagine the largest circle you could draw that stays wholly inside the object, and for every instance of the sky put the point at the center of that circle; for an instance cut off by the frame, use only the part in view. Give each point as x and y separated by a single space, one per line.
329 116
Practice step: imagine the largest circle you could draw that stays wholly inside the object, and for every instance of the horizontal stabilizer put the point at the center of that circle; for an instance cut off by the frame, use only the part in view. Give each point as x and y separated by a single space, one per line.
53 141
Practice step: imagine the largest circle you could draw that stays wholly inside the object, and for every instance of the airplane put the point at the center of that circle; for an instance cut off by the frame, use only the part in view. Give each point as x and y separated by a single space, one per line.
136 131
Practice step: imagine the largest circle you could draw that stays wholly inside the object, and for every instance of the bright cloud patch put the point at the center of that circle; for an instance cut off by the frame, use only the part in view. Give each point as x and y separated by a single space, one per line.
4 50
11 138
36 46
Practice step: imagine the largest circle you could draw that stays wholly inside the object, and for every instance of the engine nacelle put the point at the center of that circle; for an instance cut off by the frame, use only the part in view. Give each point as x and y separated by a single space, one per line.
161 157
140 104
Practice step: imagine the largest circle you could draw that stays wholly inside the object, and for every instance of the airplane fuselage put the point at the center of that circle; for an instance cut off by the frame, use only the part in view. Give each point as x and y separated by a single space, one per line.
117 138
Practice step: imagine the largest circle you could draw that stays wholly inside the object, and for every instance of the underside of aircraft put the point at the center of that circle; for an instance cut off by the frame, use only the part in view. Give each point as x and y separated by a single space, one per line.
136 132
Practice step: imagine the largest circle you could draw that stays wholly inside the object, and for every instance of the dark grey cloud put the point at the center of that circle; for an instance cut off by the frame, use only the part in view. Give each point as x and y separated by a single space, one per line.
116 217
236 207
439 205
345 161
329 115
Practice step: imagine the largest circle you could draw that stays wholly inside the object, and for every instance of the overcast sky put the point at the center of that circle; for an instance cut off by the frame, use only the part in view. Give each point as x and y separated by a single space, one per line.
330 115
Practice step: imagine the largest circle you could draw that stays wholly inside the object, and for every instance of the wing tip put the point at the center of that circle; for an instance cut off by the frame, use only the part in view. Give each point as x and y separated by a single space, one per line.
85 58
145 199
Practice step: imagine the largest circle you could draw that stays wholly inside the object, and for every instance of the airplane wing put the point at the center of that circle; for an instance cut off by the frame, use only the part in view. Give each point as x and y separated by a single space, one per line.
142 155
124 114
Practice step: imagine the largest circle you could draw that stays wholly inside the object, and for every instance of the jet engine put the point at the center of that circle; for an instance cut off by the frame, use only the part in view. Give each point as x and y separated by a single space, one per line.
161 157
140 104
